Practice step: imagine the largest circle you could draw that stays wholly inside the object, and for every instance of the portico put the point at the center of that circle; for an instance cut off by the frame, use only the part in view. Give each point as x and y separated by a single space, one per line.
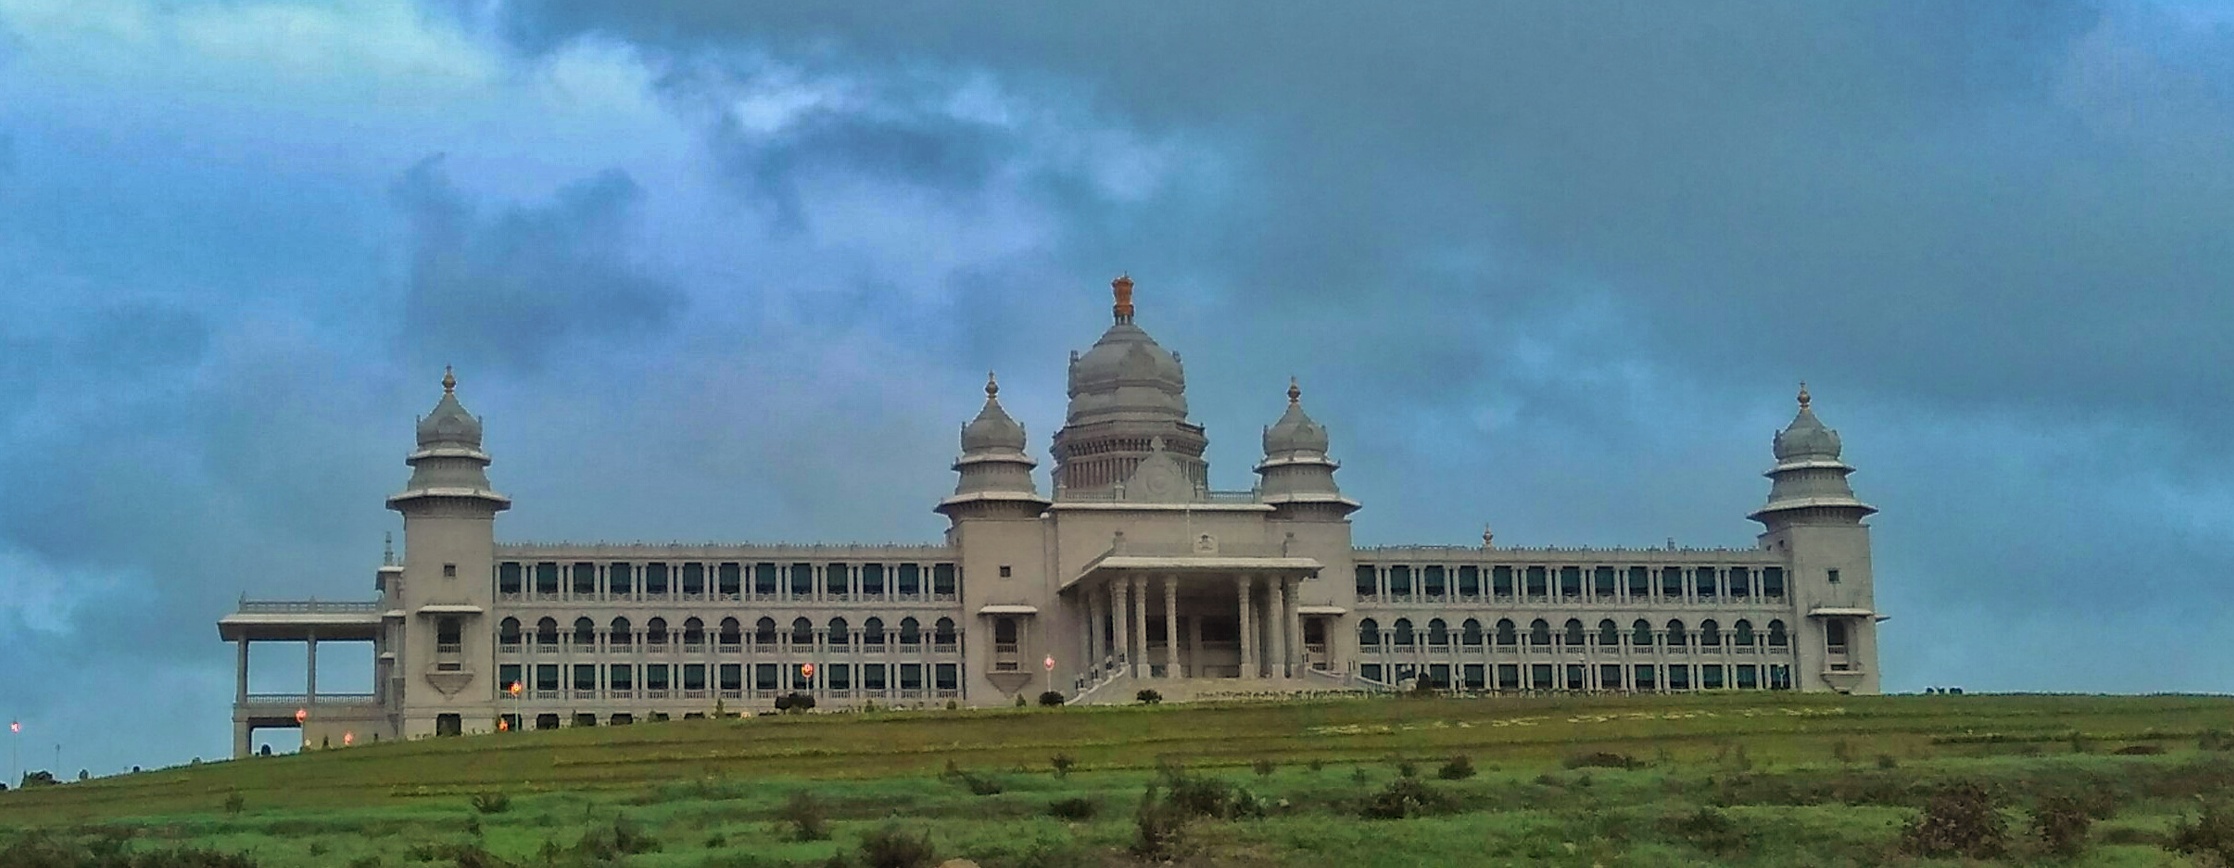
1191 615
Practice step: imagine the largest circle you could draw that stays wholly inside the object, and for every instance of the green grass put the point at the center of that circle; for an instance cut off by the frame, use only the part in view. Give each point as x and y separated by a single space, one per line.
1804 779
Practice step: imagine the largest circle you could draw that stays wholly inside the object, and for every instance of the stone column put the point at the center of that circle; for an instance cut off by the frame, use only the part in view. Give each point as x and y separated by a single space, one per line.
1121 625
1140 625
1171 627
1093 640
1248 629
310 688
1277 616
1292 619
240 677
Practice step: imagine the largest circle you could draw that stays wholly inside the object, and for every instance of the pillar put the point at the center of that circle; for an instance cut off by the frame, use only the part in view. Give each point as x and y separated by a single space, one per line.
1120 629
1248 630
1092 657
1296 651
1139 606
240 675
1278 615
310 684
1171 627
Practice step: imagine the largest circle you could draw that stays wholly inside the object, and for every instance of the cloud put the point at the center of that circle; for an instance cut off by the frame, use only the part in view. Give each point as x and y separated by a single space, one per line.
514 288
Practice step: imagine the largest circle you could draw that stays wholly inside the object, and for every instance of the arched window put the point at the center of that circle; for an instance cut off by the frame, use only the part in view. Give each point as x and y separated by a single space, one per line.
1710 634
1741 633
942 633
732 632
1640 633
1609 634
508 632
1573 633
585 632
546 632
872 632
1777 637
910 631
1438 633
1470 632
655 631
1677 637
1539 633
1507 634
839 633
1369 633
764 632
620 633
1404 631
802 632
694 631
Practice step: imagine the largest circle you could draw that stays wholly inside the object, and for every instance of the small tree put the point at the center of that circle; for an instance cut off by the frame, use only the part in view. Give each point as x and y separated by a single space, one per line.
1263 767
2061 824
1062 764
1458 769
1960 820
1157 827
1051 699
892 847
234 803
808 819
1148 696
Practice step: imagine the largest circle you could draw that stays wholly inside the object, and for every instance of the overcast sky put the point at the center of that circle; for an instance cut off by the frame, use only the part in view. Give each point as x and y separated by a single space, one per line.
739 274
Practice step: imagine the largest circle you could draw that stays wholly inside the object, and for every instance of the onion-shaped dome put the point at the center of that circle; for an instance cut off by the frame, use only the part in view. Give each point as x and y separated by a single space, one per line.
449 424
1806 438
1126 371
1296 431
992 430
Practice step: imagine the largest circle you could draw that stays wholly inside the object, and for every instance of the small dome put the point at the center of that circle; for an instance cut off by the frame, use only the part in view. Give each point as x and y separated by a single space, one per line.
1806 438
449 424
992 429
1296 431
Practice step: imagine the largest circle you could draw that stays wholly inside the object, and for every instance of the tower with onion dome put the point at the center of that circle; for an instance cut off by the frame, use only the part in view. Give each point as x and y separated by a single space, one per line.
994 526
441 621
1813 518
1296 477
1126 435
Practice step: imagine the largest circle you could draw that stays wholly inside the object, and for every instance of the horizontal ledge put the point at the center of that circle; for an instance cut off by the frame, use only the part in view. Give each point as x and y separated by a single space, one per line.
1008 610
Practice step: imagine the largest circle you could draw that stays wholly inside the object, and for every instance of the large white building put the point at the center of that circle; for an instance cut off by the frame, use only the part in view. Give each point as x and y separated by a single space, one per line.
1130 573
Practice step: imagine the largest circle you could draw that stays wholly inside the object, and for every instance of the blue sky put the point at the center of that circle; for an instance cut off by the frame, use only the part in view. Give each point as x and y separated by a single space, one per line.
736 271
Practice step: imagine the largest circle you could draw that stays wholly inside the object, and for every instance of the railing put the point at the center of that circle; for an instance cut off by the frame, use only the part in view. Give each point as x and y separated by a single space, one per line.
1136 549
308 607
301 700
449 648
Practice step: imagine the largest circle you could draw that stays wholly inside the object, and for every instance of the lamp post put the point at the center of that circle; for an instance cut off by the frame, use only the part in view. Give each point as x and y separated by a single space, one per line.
15 739
514 688
1049 664
302 716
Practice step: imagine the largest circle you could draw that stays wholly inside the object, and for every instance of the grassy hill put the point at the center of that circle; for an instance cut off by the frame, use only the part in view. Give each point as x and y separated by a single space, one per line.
1794 778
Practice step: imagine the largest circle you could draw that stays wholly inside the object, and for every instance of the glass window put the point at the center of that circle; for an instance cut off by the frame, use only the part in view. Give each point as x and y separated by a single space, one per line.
620 578
694 676
729 580
764 581
950 676
1679 678
546 676
942 579
872 580
1710 677
508 577
1602 581
839 675
1431 581
1772 582
694 578
1741 582
764 677
1671 582
585 579
1399 579
1705 583
911 676
1749 677
802 580
1366 581
1369 671
732 676
872 676
1640 582
1368 633
1501 581
1609 676
507 674
838 578
1538 584
1469 581
1471 632
656 676
546 578
1570 581
585 676
911 580
621 676
1473 676
655 579
1645 679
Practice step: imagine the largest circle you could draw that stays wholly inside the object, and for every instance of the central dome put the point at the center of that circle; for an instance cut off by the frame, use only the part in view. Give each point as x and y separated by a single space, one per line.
1126 374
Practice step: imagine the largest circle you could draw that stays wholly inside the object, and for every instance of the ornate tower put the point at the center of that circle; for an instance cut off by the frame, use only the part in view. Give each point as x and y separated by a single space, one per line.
1297 476
444 675
1814 520
996 531
996 474
1128 419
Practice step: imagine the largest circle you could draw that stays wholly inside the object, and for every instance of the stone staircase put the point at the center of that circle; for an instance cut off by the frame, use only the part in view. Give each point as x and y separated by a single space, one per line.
1124 689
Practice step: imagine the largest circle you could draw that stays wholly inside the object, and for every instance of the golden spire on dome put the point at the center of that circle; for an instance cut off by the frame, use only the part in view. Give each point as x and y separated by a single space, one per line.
1295 393
1123 286
1804 398
449 381
992 387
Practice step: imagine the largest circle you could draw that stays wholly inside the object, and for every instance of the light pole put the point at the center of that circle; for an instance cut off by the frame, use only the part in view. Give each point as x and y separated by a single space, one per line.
1049 664
15 762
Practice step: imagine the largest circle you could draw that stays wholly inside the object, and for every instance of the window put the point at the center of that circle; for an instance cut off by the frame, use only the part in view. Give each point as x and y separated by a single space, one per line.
1710 678
1538 584
942 579
764 677
1640 634
1772 582
546 676
837 579
910 580
911 676
1602 581
1403 630
1470 583
910 633
507 675
694 676
1640 582
802 633
729 580
838 633
1834 577
1679 678
1576 677
1678 639
1472 676
732 633
732 676
764 632
585 579
1741 633
585 633
1399 580
1471 632
448 724
1570 581
508 577
1749 678
949 676
508 633
1508 676
694 579
1370 671
1005 571
1704 583
1368 633
1507 634
1834 635
1571 633
655 631
1609 676
449 571
872 580
764 581
656 676
1438 633
620 676
872 632
546 579
1431 582
694 631
1609 634
1710 634
1645 679
872 676
1777 636
1367 582
1539 676
1741 582
1671 582
1539 634
655 579
839 675
585 677
620 579
1501 581
546 633
942 633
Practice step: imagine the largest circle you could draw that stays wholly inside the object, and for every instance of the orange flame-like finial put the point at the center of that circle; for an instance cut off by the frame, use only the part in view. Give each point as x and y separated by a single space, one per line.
1123 286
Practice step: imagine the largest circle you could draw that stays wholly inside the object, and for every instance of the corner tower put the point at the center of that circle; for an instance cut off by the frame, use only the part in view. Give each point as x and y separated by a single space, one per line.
1128 405
1296 475
444 673
995 532
1814 520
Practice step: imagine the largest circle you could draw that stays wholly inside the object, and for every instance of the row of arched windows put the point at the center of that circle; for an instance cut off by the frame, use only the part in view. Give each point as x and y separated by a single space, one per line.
1573 634
621 633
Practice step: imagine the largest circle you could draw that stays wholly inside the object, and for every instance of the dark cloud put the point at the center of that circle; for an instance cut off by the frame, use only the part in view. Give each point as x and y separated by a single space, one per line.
516 287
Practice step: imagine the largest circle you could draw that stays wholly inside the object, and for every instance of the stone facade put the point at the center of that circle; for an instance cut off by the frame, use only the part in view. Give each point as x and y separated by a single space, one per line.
1131 573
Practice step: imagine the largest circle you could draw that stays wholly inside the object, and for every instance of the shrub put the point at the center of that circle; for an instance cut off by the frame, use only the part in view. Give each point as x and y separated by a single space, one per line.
1074 808
892 847
795 702
1406 769
1199 795
1263 767
610 843
2140 750
2214 739
1843 751
716 841
981 785
1157 827
365 861
1051 699
234 802
1148 696
491 803
1062 764
952 705
808 818
1020 700
2061 823
1887 762
1601 760
1961 819
1406 797
2210 835
1709 830
1315 765
1458 769
1422 688
1358 775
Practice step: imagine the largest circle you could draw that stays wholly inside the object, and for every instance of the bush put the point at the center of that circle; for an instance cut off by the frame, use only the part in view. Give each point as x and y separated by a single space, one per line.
1406 797
1961 819
610 843
1199 795
1709 830
1148 696
2214 739
36 779
1264 767
2061 823
1157 827
1315 765
1458 769
1062 764
491 803
1887 762
1020 700
2140 750
808 818
1051 699
1075 808
795 702
892 847
2209 835
234 802
981 785
1601 760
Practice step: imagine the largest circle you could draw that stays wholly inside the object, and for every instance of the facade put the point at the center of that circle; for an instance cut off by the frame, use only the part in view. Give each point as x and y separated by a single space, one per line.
1130 573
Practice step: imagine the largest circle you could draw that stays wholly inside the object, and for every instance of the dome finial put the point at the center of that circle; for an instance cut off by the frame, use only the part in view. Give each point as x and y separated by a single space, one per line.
1804 397
449 381
1295 393
992 386
1123 286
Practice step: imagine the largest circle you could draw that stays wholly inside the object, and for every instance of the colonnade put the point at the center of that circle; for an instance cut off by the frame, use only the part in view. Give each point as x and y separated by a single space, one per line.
1270 628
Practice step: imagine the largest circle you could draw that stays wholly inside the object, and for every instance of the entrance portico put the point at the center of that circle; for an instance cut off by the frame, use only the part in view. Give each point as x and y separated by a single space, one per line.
1201 612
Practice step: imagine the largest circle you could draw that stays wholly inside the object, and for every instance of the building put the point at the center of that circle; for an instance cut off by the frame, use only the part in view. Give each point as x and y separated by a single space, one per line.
1130 573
